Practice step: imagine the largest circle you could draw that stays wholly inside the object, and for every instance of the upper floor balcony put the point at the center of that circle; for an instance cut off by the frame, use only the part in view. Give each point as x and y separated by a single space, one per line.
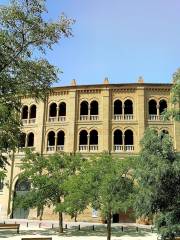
57 113
89 111
28 114
156 109
123 111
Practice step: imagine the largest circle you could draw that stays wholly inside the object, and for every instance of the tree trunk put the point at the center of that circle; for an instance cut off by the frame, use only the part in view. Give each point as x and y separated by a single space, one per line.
109 225
60 222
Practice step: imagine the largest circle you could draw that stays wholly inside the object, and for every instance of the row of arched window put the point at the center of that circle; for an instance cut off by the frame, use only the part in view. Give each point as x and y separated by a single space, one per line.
88 141
90 110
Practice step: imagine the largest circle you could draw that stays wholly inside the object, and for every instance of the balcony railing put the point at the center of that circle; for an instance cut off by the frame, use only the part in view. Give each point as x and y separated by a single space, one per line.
32 120
57 119
93 148
50 148
94 117
83 117
126 117
118 148
62 118
25 121
154 117
87 117
60 148
122 148
83 148
129 148
86 148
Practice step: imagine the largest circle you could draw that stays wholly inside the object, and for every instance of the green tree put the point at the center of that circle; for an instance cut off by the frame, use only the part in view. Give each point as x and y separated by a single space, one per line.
25 36
158 178
105 184
174 112
47 177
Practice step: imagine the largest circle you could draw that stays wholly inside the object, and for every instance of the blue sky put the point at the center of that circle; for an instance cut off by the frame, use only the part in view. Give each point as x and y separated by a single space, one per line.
118 39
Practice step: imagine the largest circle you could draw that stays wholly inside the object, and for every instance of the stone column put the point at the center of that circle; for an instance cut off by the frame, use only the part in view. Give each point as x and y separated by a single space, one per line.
72 117
141 114
106 116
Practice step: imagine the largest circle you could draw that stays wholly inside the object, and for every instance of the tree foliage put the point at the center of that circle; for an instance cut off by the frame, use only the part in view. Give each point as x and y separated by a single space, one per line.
47 176
105 184
158 178
25 36
174 112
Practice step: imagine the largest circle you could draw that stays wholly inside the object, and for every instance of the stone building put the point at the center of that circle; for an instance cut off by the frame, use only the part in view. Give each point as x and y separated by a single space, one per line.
88 119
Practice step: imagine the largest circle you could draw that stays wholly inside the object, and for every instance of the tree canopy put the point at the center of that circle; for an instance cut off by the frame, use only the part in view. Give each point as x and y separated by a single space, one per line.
158 178
47 176
25 37
105 183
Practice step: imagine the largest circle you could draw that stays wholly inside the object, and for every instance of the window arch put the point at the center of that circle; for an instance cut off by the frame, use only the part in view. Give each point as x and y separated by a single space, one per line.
32 112
83 137
51 139
60 138
84 108
128 107
94 108
62 109
117 107
22 185
152 107
53 110
25 112
22 140
30 140
93 137
118 137
129 138
162 106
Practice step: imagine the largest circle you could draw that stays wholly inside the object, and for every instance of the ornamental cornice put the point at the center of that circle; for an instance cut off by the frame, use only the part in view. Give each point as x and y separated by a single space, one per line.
89 91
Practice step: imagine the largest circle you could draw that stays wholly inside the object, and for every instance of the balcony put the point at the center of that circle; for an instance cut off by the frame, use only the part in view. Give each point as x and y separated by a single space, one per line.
86 148
50 148
129 148
57 119
126 117
153 117
89 117
60 148
118 148
29 121
122 148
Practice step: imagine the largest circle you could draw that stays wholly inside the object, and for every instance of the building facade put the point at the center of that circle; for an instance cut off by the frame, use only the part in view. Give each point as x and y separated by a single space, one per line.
88 119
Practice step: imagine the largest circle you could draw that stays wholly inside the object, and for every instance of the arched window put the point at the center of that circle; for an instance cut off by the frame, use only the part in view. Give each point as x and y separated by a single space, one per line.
32 112
22 185
94 108
117 107
152 107
22 140
51 138
129 140
30 140
25 112
118 140
128 107
60 138
93 137
162 106
83 137
53 110
84 108
62 109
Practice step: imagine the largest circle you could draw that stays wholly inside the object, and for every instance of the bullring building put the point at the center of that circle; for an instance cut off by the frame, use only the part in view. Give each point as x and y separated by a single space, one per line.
88 119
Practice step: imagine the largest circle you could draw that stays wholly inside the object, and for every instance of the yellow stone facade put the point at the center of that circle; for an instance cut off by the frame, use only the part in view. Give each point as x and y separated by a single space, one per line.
90 119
